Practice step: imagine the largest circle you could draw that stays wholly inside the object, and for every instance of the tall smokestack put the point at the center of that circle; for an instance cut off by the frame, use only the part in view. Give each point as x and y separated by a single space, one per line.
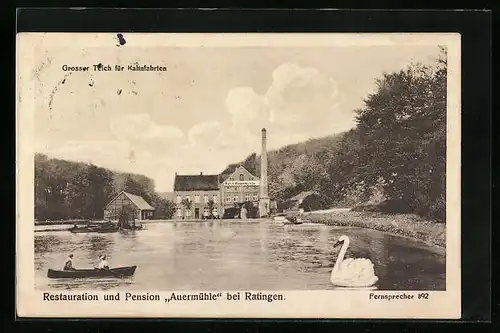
264 196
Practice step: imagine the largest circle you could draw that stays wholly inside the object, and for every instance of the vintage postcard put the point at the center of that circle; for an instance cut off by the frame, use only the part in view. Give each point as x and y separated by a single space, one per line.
238 175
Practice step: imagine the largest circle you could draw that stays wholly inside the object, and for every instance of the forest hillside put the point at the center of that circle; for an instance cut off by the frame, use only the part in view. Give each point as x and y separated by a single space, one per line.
394 160
75 190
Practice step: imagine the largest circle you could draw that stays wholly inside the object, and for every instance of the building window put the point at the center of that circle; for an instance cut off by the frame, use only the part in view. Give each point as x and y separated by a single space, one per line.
255 197
242 178
215 199
235 198
179 199
196 198
228 198
247 197
188 198
188 212
205 198
179 212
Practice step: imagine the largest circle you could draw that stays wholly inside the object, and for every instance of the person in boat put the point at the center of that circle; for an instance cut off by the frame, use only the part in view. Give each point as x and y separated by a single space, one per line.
68 266
103 264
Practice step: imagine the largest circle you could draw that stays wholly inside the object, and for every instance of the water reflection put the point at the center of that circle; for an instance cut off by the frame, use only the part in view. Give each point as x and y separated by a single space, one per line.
237 255
99 245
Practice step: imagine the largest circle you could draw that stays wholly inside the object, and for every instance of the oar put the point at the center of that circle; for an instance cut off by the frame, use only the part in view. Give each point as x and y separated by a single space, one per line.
109 270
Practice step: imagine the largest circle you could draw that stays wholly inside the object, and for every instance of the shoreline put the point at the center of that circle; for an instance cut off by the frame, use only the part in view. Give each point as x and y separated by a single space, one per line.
406 225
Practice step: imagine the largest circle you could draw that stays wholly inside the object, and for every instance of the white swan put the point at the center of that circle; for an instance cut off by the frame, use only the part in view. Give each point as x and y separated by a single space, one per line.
355 273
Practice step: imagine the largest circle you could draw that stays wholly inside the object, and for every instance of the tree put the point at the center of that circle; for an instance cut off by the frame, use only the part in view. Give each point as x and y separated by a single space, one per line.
308 174
402 132
132 186
187 204
66 190
211 207
250 164
100 189
313 202
127 216
164 209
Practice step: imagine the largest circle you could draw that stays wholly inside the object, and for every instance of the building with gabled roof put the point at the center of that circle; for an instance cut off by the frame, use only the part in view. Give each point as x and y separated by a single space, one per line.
199 190
199 182
239 187
113 208
227 190
304 201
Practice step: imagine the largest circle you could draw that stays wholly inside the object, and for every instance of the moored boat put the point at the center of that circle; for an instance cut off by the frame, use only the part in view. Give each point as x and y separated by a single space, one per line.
107 227
292 220
101 228
107 230
77 230
132 227
92 272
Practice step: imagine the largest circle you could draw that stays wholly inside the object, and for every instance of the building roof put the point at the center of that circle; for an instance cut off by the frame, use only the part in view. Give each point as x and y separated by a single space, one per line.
238 169
138 201
196 182
302 195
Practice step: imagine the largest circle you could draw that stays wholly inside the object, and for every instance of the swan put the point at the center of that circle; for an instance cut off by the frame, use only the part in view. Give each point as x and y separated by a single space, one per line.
352 272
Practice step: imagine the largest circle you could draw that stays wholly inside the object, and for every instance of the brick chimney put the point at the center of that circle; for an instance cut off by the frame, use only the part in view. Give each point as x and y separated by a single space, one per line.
264 196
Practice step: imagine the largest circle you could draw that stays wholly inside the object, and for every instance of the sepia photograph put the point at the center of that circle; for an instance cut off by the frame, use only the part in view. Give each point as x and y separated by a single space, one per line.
170 168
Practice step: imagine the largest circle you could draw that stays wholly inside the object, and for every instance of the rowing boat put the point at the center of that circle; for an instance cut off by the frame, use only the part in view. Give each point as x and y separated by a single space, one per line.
107 229
292 220
93 272
79 230
103 228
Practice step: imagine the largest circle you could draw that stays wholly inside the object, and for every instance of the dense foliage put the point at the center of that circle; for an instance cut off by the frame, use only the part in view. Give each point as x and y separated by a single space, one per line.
67 190
127 216
394 159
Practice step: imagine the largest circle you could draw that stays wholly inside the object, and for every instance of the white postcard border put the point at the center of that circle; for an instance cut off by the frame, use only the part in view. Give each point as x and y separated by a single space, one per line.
297 304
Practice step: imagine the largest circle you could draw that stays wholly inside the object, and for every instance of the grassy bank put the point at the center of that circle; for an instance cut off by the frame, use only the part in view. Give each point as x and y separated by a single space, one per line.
408 225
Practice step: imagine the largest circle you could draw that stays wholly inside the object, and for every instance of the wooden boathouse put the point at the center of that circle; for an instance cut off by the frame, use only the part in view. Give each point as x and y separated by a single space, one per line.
122 199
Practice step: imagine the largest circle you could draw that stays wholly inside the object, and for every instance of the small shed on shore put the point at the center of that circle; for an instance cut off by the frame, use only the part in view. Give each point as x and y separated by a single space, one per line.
143 209
304 201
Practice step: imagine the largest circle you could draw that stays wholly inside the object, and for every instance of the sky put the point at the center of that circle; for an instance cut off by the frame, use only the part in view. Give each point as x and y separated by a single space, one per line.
206 111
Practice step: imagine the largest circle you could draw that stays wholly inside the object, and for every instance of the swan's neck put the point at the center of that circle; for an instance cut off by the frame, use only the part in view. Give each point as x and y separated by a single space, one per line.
340 258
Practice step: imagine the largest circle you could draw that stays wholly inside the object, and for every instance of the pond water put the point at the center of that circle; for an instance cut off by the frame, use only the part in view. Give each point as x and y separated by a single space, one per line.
235 255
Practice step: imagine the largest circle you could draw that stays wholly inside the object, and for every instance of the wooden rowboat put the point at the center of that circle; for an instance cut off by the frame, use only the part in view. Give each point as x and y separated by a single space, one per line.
93 272
292 220
107 229
104 228
79 230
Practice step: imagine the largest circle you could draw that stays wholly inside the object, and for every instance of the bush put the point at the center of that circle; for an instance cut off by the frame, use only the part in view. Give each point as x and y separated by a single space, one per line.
313 202
387 206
